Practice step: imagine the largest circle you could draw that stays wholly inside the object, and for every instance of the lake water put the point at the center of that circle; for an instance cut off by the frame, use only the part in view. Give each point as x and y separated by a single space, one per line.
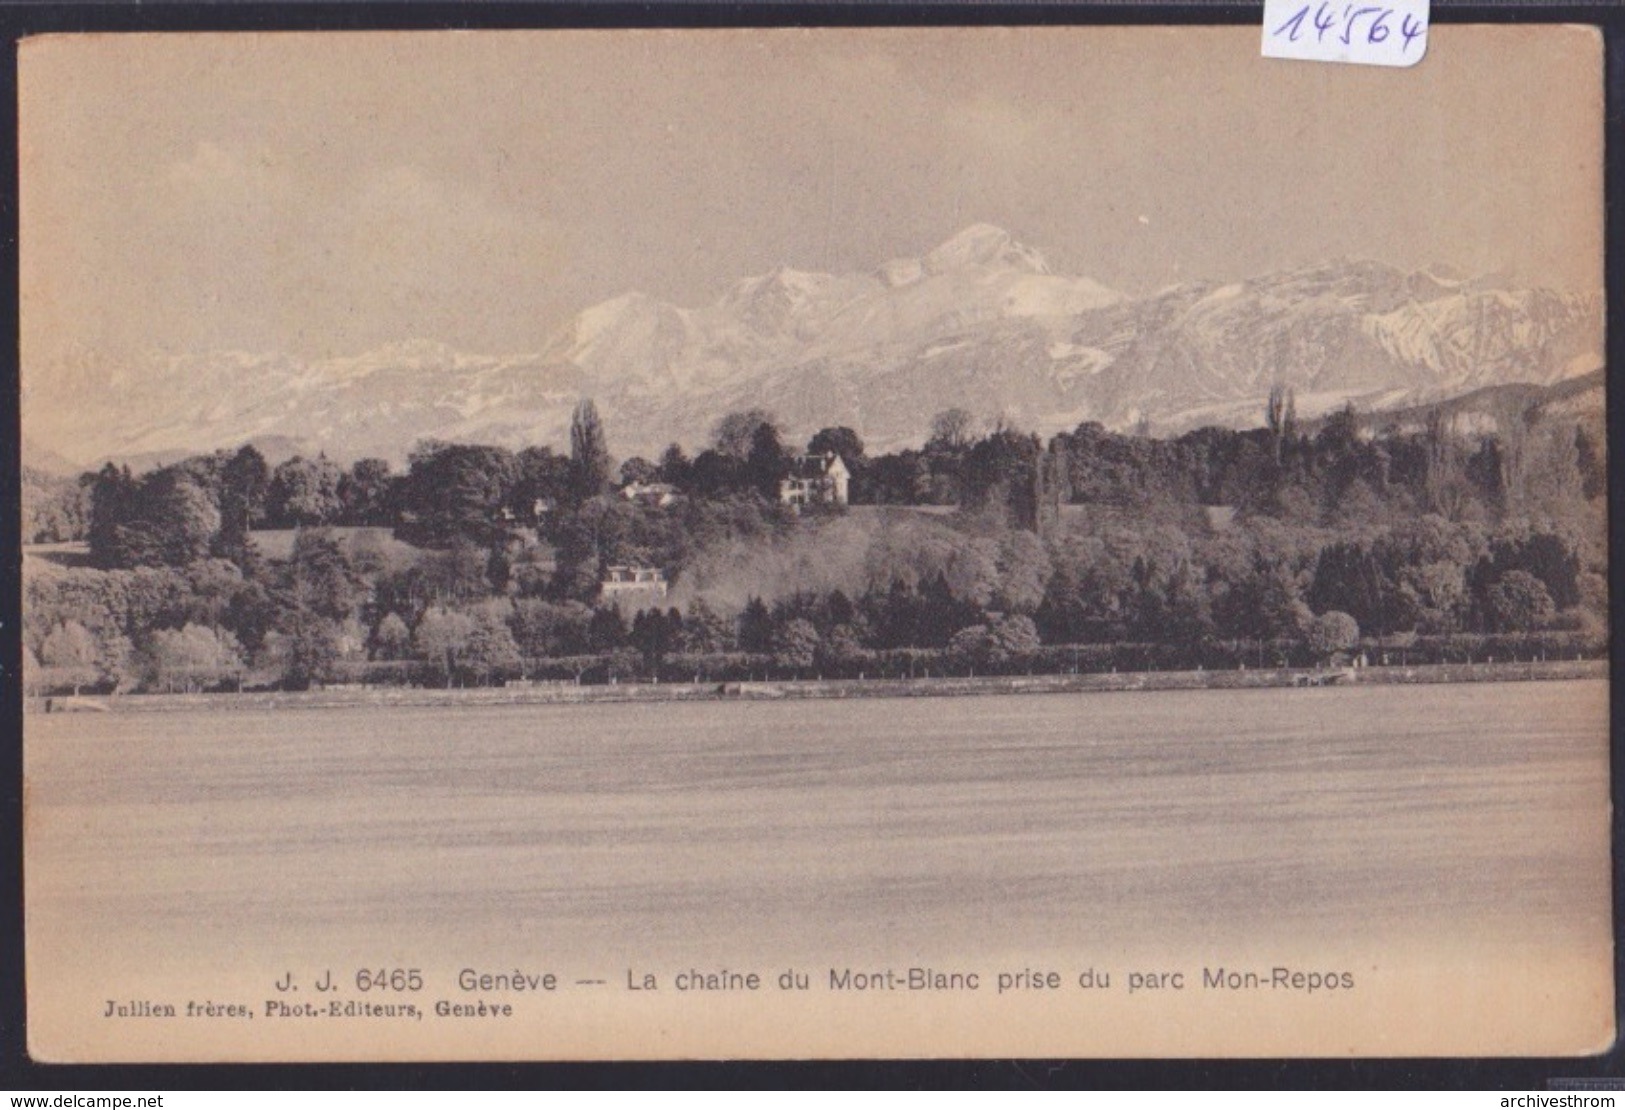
1454 831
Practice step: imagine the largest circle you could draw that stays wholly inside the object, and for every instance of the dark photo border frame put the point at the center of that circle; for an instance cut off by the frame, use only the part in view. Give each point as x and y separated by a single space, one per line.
19 1073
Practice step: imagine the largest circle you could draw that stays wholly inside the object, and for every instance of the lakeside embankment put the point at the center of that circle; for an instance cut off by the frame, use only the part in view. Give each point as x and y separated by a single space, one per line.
562 693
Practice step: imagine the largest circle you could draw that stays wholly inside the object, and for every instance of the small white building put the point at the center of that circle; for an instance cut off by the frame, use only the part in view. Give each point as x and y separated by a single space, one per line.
654 494
816 480
640 583
539 508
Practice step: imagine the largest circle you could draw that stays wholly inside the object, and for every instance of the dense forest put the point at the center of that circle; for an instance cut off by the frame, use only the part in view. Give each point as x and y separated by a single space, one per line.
986 549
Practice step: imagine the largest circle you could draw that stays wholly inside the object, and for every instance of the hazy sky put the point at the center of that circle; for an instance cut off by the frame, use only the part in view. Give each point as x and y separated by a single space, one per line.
325 194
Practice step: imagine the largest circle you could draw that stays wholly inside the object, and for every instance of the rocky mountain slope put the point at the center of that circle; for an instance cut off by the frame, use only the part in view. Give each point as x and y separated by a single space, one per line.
980 322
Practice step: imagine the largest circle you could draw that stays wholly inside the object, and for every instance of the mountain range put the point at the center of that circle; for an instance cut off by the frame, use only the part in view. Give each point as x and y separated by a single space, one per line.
981 322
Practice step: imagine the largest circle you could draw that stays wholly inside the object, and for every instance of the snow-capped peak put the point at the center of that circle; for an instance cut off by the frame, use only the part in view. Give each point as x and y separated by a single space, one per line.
980 323
783 285
984 245
417 352
606 324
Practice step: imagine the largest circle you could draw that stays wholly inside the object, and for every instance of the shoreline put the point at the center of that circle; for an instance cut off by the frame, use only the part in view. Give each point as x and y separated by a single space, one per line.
562 693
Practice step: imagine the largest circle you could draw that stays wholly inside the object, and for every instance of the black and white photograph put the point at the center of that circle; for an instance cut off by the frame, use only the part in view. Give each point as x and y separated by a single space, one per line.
845 543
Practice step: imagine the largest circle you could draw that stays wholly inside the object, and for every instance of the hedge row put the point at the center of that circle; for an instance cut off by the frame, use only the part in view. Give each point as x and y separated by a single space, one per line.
902 663
722 667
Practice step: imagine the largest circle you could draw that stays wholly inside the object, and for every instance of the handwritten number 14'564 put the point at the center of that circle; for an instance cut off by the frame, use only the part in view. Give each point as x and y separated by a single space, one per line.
1327 18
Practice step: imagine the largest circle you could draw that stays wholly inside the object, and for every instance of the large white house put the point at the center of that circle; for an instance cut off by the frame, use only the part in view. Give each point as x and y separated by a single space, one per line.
816 480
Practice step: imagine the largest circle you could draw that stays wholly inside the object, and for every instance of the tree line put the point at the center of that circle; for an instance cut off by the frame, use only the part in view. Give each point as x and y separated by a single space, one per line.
479 564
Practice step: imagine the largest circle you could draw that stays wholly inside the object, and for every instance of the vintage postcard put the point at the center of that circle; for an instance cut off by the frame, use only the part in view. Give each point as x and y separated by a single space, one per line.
1065 542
